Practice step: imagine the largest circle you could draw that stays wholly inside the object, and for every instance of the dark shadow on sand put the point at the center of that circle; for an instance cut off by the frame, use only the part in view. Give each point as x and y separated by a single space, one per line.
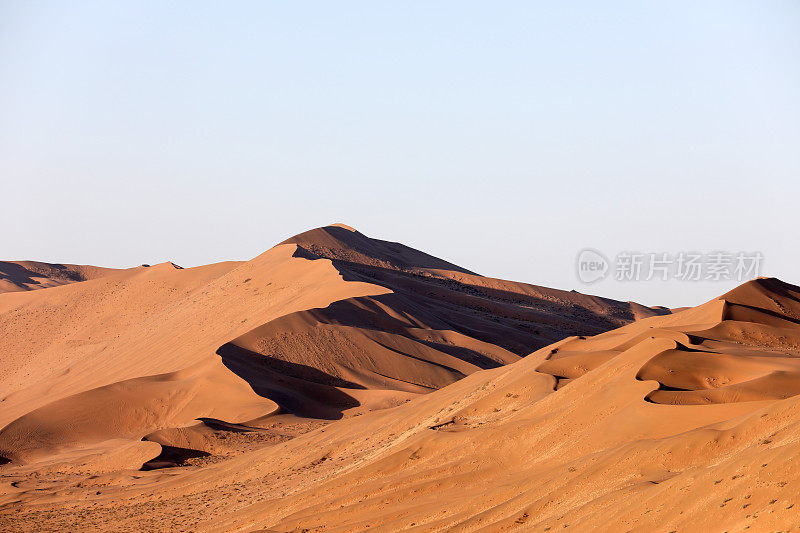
298 389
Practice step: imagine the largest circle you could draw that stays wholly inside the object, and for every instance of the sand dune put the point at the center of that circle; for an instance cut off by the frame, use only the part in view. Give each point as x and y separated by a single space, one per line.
743 348
502 449
370 386
327 324
130 409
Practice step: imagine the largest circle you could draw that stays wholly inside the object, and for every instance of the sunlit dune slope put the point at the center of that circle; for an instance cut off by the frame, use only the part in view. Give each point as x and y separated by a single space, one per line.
683 422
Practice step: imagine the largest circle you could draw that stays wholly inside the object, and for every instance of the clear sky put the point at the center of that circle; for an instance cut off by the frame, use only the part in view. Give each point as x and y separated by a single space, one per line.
502 136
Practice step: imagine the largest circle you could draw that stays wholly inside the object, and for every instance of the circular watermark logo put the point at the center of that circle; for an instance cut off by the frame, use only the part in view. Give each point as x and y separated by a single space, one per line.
592 266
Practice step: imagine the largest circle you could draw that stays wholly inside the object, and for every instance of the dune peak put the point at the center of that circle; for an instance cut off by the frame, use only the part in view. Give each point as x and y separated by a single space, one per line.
343 226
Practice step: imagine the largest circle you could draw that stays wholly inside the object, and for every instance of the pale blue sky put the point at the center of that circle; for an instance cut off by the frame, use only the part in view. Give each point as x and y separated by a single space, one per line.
502 136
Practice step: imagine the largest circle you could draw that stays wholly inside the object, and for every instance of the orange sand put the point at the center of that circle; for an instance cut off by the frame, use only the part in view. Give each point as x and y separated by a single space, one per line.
341 383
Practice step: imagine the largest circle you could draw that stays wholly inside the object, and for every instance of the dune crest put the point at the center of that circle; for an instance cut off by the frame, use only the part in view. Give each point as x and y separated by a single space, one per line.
31 275
740 347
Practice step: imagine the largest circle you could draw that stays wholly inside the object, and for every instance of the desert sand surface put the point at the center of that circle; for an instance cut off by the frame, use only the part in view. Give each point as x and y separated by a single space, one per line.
342 383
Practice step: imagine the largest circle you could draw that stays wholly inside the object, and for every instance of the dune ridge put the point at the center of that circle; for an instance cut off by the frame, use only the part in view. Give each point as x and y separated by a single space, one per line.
32 275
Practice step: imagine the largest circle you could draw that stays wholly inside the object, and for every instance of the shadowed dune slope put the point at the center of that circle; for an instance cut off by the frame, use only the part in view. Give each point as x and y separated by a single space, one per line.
30 275
434 324
319 326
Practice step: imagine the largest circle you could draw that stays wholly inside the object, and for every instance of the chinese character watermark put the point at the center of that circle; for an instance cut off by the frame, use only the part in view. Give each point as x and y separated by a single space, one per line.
717 265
